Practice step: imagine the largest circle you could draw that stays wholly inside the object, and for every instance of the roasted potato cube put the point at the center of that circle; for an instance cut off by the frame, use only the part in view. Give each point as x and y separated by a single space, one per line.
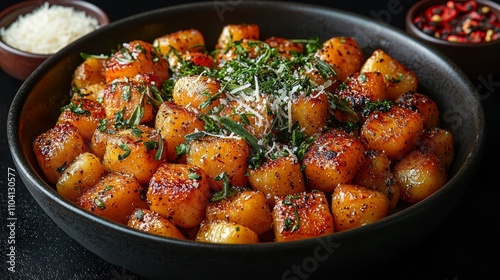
134 60
422 104
358 90
220 155
94 92
376 173
333 158
182 46
182 41
247 207
277 177
83 172
89 72
398 78
149 221
137 151
253 115
200 93
56 148
365 87
354 206
220 231
179 193
440 141
286 47
100 137
419 174
174 122
236 32
395 131
115 197
127 102
311 112
83 113
343 54
246 47
300 216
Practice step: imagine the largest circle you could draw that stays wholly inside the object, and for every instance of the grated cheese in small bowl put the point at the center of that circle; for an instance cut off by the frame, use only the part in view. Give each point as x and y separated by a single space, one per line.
48 29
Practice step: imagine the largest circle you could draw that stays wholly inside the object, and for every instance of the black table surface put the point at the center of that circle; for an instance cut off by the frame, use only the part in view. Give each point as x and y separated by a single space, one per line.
464 246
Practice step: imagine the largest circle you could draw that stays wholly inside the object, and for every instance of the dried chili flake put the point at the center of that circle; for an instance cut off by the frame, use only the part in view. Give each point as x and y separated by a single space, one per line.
459 22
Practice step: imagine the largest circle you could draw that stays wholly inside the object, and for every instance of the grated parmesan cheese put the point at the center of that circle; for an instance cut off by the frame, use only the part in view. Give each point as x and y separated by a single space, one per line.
48 29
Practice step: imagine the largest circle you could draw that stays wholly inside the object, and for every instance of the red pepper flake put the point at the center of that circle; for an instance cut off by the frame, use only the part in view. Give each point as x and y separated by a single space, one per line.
459 22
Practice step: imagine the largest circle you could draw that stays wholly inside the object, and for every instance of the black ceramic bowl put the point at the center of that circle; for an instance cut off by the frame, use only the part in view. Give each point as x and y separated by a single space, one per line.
36 106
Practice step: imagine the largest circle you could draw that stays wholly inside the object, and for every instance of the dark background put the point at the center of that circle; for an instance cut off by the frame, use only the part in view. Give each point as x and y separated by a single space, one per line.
465 246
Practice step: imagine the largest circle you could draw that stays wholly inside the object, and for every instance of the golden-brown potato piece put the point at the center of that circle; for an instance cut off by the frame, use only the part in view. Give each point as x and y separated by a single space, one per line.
236 32
440 141
135 59
419 174
311 112
89 72
354 206
100 137
246 207
56 148
181 41
423 104
180 193
367 86
183 46
343 54
286 47
115 197
376 173
395 131
94 92
398 78
83 113
127 102
149 221
220 155
198 92
220 231
333 158
246 47
277 177
300 216
358 90
174 122
257 118
137 151
83 172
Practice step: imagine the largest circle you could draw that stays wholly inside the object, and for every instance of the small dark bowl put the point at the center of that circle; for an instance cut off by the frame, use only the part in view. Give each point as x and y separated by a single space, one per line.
35 109
475 59
20 64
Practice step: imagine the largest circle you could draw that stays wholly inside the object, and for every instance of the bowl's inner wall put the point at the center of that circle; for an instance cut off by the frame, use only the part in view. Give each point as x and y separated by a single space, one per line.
36 106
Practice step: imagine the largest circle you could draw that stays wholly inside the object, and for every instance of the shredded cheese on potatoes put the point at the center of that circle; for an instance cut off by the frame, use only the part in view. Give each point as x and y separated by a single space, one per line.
48 29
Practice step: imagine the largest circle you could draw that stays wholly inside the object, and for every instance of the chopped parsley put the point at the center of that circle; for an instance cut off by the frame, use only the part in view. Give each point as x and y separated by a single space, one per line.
76 109
227 189
126 149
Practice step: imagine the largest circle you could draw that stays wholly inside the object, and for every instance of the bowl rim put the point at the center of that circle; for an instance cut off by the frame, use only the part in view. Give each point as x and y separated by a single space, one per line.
423 4
48 190
103 19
